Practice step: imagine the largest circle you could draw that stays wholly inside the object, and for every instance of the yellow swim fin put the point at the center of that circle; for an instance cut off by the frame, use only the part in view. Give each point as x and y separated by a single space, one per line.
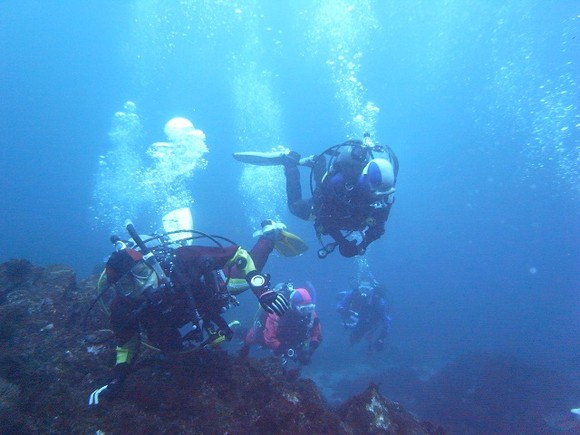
290 245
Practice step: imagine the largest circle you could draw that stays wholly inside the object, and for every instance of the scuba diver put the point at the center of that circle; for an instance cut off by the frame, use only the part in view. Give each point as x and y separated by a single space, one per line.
352 192
175 292
293 337
363 310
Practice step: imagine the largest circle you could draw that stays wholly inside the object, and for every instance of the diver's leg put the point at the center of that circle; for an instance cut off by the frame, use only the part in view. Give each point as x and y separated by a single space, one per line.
261 251
297 206
319 169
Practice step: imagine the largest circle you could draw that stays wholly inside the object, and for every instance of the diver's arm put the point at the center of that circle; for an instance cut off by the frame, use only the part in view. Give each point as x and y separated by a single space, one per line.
243 262
245 268
259 255
125 354
315 332
271 332
376 229
237 268
271 301
343 305
347 248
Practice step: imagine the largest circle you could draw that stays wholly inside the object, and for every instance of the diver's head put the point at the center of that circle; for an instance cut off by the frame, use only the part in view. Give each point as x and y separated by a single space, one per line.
351 154
120 263
378 176
129 274
365 289
301 302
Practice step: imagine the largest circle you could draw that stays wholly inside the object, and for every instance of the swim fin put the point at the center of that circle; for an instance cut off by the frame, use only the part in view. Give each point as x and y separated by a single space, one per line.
272 158
290 245
286 243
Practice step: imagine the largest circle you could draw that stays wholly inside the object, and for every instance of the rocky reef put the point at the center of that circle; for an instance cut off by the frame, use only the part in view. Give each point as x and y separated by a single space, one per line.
52 356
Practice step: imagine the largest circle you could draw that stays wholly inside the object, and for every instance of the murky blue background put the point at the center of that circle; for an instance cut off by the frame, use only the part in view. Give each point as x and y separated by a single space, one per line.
478 99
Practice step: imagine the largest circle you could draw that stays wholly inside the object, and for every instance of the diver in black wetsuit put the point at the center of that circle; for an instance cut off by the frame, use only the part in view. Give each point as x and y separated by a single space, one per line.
352 192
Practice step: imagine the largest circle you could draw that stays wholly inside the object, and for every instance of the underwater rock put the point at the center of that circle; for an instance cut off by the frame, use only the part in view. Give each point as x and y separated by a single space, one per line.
54 353
371 413
14 275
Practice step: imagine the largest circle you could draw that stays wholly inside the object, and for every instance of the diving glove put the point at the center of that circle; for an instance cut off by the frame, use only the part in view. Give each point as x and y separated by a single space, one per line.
271 301
94 397
349 249
113 388
274 302
108 391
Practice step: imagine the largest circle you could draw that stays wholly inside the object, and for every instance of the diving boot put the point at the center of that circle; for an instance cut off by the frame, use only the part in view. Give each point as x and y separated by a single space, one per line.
308 161
285 243
271 230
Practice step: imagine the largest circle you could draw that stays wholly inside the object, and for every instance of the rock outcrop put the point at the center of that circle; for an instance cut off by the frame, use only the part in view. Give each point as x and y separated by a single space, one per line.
52 355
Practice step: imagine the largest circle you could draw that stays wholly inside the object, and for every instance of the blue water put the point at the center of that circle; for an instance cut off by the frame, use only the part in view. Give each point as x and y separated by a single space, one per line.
478 99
